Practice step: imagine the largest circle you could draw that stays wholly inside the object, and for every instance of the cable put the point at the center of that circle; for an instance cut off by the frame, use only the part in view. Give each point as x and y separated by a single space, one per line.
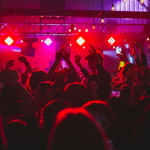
18 4
100 12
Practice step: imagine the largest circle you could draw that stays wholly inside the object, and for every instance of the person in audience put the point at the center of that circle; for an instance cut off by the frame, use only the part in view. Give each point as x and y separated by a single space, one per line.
76 129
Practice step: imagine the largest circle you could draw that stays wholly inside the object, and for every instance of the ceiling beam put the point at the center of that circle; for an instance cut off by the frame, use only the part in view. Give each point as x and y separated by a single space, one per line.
75 13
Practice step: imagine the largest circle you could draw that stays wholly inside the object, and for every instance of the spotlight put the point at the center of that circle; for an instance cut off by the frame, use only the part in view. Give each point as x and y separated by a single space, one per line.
83 47
102 20
70 44
124 1
41 40
141 1
114 47
69 30
48 41
79 30
28 50
21 41
93 26
80 41
111 40
112 8
75 28
147 38
86 30
9 41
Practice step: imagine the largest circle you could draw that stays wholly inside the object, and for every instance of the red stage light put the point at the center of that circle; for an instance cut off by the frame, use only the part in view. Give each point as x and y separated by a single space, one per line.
111 40
9 40
48 41
80 41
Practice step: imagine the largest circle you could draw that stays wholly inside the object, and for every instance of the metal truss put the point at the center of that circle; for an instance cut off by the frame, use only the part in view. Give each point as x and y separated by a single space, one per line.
63 29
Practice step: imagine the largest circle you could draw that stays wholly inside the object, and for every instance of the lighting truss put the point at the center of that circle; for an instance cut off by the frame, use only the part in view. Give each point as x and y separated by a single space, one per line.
63 29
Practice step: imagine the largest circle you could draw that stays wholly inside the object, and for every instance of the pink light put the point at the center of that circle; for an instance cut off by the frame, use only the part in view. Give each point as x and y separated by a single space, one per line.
21 41
80 41
86 30
79 30
111 40
83 47
9 40
124 1
48 41
70 44
41 40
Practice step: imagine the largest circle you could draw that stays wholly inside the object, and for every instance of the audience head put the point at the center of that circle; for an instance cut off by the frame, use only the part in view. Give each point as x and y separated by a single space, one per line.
17 134
76 129
91 61
76 94
35 78
49 112
102 113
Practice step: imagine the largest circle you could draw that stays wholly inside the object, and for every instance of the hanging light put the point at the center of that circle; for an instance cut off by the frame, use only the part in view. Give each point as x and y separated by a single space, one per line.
112 8
93 26
86 30
79 30
141 1
124 1
102 20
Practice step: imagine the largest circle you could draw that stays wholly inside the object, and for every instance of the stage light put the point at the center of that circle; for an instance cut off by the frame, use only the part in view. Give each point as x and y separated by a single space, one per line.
83 47
93 26
102 20
9 41
79 30
112 8
75 28
69 30
148 39
21 41
114 47
48 41
86 30
70 44
41 40
141 1
111 40
124 1
80 41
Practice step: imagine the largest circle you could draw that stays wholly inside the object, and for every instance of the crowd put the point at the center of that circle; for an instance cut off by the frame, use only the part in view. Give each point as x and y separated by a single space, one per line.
69 110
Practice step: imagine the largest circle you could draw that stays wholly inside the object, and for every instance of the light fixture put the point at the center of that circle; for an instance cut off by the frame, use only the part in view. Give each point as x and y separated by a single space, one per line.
112 8
48 41
124 1
80 41
75 28
141 1
69 30
111 40
86 30
147 38
9 40
79 30
21 41
93 26
102 20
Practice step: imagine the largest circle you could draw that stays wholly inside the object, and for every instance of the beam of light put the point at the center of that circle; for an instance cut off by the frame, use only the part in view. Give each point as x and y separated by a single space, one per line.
110 53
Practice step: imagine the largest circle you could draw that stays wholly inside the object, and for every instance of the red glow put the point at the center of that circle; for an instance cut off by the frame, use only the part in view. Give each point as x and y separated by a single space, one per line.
9 40
48 41
111 40
79 30
80 41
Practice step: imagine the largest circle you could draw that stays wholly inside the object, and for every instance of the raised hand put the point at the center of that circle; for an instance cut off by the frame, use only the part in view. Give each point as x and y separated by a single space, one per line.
10 63
121 57
22 59
66 56
77 59
9 76
138 45
61 77
94 54
58 56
